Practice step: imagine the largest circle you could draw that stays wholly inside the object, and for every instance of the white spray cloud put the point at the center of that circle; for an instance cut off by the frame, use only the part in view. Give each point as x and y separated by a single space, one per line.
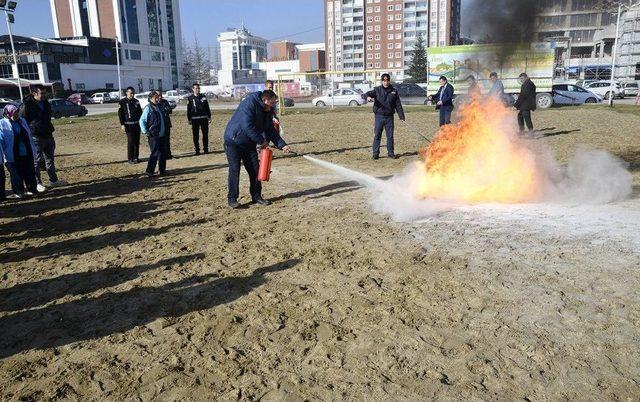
590 177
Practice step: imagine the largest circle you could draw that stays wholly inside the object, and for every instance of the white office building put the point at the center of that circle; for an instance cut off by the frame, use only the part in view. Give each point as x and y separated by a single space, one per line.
239 50
148 30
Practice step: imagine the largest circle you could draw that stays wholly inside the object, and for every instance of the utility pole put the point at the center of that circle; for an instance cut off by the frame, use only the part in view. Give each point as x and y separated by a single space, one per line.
9 8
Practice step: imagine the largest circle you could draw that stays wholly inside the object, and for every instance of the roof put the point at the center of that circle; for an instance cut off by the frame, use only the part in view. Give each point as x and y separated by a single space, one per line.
4 39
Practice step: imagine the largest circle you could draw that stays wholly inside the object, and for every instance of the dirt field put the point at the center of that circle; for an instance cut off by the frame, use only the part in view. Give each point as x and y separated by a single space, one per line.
122 288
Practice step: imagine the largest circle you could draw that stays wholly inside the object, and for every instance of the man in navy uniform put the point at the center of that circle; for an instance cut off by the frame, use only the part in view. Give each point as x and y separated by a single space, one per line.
444 100
386 102
251 125
199 116
129 114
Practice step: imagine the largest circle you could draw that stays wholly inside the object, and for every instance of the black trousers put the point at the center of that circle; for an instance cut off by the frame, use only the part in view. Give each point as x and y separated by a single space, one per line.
168 141
3 194
445 115
524 116
248 155
386 123
133 142
196 125
44 159
158 149
22 174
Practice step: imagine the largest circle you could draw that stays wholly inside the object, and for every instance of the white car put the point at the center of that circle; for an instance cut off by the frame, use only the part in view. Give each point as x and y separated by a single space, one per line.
114 96
143 98
176 95
340 97
100 97
603 88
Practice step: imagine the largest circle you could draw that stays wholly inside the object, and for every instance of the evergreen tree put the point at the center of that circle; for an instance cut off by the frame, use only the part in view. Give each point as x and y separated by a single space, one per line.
187 73
418 65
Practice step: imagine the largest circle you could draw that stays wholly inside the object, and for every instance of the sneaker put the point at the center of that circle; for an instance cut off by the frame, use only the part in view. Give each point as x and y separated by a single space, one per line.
58 183
41 188
262 201
234 204
147 176
19 196
29 193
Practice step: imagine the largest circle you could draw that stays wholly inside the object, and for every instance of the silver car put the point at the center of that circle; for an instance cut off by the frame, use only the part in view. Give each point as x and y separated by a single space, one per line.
567 94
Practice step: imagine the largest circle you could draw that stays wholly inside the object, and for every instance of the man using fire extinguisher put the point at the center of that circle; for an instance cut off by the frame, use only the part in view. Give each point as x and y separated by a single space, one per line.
251 125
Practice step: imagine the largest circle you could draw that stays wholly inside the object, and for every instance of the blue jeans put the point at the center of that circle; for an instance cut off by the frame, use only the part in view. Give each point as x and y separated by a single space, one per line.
22 175
158 148
249 156
445 115
386 123
44 158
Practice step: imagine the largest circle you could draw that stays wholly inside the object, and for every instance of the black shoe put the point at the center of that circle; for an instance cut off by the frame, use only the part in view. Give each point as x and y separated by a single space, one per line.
169 157
234 204
262 201
206 151
131 162
393 156
375 157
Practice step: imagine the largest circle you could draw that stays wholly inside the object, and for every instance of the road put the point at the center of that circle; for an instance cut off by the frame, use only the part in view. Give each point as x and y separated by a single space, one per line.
98 109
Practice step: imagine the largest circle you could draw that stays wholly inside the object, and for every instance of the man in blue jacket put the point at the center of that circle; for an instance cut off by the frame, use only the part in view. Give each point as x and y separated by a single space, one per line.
386 102
444 100
251 125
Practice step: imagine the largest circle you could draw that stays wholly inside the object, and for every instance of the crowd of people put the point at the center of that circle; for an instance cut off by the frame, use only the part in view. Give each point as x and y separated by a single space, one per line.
27 146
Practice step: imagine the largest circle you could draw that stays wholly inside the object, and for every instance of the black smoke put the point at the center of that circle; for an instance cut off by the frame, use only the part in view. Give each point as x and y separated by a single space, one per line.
509 23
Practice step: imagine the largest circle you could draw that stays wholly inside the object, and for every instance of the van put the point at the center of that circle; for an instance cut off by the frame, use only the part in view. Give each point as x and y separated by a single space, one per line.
99 97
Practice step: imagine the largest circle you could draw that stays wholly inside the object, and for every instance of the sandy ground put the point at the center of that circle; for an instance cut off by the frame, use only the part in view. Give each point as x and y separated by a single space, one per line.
121 288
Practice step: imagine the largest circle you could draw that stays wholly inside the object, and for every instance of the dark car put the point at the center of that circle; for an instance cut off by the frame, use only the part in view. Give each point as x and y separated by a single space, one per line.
80 99
288 102
64 108
412 94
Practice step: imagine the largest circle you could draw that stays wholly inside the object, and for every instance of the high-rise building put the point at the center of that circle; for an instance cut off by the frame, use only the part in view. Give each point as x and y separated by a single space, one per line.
239 51
149 30
380 34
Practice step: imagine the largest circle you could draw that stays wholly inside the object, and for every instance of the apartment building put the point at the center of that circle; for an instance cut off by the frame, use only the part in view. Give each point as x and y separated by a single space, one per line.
380 34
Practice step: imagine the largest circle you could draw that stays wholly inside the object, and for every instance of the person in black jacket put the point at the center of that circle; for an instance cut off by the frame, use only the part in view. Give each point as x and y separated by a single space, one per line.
37 112
386 102
199 116
129 114
444 100
165 108
526 103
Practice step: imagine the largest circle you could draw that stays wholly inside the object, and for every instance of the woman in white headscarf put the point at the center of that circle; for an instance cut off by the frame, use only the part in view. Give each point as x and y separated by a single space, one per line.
18 149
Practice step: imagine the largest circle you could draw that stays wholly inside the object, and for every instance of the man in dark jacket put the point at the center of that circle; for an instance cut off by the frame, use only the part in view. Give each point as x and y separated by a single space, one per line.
444 100
153 125
165 108
526 103
251 125
386 102
37 112
199 116
129 114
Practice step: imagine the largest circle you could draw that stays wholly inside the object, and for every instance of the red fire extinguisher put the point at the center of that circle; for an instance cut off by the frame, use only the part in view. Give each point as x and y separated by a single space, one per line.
264 172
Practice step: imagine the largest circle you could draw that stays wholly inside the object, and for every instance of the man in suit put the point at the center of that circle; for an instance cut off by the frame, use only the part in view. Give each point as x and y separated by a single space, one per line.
526 103
444 100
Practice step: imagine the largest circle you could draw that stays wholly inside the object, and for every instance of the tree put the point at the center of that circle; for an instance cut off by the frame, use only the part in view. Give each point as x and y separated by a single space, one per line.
201 63
418 65
188 72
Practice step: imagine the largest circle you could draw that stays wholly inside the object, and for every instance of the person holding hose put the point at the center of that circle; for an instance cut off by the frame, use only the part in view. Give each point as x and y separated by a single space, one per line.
386 102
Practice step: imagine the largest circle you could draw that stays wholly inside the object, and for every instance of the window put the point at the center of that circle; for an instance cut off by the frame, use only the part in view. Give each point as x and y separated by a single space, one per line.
390 27
377 56
140 85
377 37
398 7
131 34
389 45
390 64
390 36
390 55
377 46
389 8
109 85
79 86
151 85
135 55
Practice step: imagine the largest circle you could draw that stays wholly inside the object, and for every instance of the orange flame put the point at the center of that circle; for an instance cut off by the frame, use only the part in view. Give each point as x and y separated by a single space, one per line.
480 159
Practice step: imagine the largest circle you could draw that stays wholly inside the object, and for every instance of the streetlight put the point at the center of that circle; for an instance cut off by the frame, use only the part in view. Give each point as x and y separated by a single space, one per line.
9 8
615 47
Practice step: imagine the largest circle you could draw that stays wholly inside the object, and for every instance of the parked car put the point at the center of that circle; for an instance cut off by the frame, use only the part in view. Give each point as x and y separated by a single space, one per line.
177 95
65 108
79 99
143 98
100 97
340 97
172 103
567 94
583 83
603 88
630 88
412 94
114 96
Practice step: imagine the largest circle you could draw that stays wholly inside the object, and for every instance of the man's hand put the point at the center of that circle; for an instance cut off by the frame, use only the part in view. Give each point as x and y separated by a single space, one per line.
439 103
286 149
122 128
265 144
189 122
369 99
209 121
